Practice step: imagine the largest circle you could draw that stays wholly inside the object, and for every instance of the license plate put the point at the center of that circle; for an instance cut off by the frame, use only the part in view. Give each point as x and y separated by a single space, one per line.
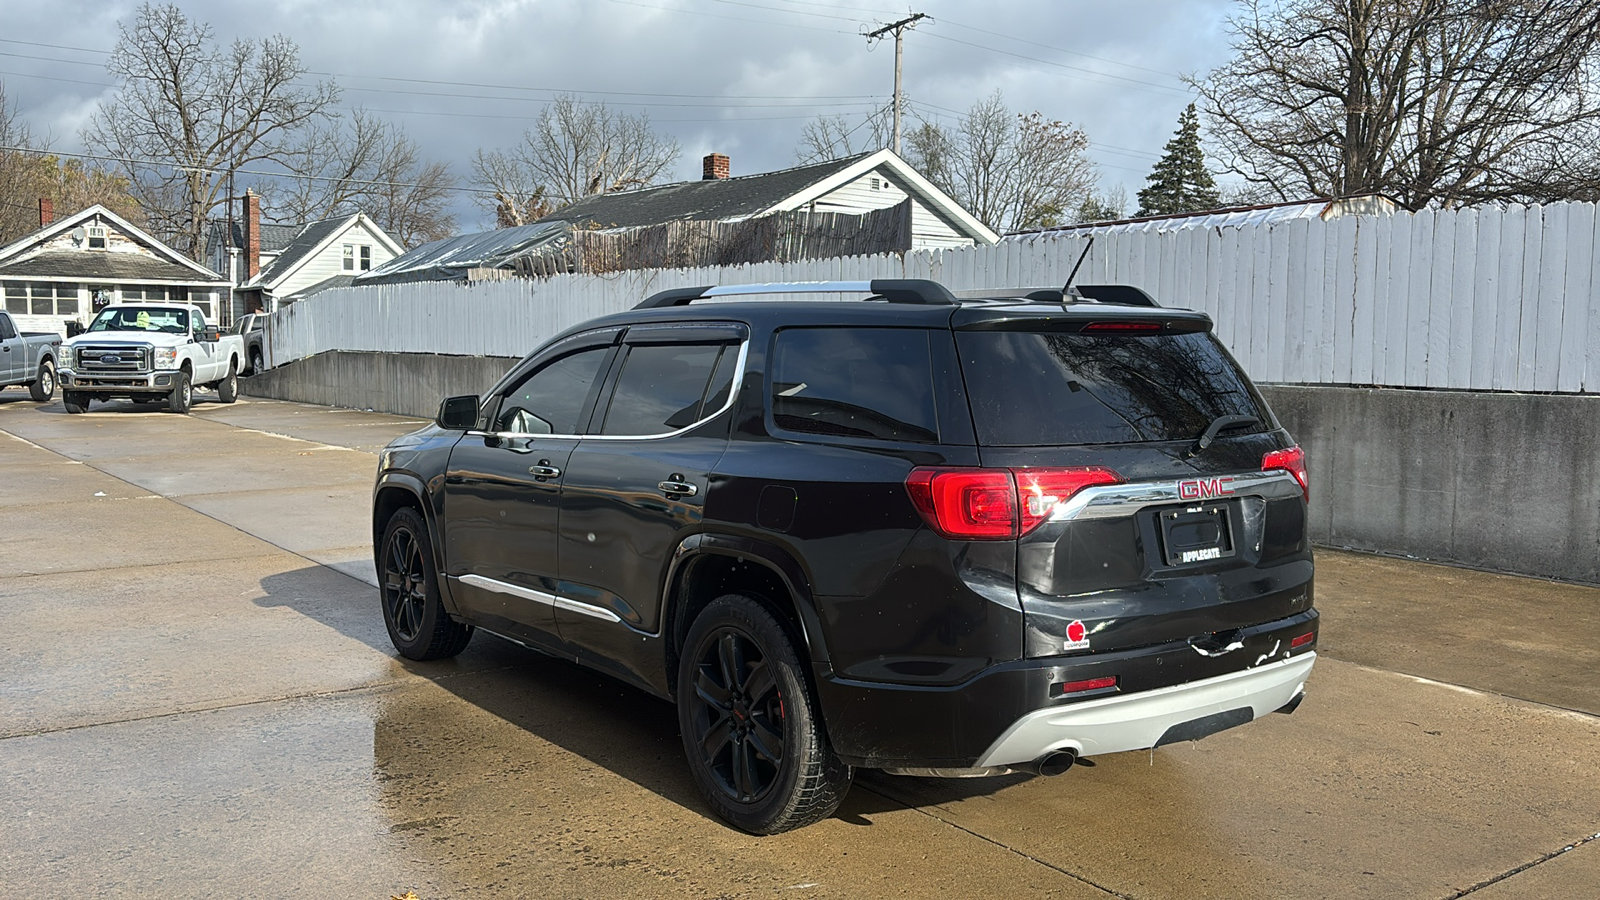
1197 534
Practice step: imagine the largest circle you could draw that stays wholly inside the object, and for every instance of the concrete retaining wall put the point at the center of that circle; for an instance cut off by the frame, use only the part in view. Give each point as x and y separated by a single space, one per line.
407 384
1509 482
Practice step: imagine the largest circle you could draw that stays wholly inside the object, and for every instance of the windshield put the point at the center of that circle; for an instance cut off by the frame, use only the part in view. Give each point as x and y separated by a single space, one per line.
164 319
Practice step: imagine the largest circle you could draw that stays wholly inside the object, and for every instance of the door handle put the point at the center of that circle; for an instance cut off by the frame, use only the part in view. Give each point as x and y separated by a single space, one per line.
676 486
544 471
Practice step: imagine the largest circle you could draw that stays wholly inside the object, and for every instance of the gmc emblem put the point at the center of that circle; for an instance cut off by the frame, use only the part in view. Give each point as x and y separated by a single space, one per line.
1204 488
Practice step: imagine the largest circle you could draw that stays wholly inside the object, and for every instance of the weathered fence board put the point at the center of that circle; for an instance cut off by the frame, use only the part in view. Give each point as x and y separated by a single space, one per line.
1477 299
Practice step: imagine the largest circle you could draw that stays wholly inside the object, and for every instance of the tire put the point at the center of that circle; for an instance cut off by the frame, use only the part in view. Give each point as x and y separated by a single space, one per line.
257 363
75 401
182 397
228 388
418 625
44 386
736 649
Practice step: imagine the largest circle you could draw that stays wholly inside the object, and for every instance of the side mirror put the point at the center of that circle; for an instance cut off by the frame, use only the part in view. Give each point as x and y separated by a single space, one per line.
74 329
210 334
458 413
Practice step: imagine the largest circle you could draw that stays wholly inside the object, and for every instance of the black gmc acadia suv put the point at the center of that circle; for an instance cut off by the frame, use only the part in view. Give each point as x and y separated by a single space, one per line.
920 533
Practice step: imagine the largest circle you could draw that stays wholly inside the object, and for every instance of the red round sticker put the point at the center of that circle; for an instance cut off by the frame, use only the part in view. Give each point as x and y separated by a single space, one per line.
1075 632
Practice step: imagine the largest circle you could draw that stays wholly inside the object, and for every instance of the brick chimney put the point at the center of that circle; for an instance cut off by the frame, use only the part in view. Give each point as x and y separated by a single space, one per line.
716 166
252 234
47 211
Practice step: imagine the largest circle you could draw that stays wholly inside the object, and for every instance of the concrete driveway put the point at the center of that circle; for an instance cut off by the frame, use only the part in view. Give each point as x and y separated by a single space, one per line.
198 699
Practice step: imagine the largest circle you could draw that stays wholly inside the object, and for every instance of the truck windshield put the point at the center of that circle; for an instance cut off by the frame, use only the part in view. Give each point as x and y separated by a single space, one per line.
142 318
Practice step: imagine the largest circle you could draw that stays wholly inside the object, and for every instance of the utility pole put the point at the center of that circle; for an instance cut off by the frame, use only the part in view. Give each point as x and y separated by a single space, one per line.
899 29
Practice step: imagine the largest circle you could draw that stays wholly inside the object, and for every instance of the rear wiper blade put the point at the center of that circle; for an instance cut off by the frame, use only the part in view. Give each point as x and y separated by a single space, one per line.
1219 425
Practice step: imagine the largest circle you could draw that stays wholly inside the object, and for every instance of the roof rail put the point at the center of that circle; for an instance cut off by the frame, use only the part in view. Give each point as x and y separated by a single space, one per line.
918 291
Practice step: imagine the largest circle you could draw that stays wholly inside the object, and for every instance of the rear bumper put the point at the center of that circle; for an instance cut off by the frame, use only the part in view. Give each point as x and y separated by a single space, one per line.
1152 718
1017 705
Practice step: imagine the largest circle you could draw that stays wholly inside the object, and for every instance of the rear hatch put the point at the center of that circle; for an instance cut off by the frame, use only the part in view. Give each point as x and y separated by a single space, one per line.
1131 532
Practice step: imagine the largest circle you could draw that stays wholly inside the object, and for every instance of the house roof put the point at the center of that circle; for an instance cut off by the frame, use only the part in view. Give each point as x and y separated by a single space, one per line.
715 198
23 250
311 240
747 196
1231 217
326 283
273 237
449 259
101 266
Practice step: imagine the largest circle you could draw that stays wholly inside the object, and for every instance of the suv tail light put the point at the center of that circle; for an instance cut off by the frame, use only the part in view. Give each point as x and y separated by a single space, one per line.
1293 461
996 504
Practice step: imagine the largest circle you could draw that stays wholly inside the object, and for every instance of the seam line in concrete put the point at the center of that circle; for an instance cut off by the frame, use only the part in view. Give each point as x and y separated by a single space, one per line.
1523 868
207 515
1009 849
1467 687
220 707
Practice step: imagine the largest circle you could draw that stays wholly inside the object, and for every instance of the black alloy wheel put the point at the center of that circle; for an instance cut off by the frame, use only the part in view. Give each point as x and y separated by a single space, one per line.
738 712
419 627
750 726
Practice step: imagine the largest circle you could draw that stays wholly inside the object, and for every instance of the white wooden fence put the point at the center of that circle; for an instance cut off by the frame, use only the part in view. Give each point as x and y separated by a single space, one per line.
1479 299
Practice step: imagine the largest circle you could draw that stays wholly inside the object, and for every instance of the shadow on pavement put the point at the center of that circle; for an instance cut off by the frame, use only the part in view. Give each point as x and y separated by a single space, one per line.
607 722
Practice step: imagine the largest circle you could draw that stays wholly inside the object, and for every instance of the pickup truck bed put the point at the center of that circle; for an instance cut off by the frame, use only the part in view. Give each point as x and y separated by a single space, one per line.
28 358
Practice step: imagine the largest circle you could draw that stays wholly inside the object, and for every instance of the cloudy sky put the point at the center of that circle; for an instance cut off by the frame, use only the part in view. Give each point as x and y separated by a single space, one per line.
740 77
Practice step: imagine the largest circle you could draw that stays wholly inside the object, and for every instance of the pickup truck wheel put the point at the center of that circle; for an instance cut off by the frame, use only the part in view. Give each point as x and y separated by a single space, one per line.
418 625
182 396
256 362
228 388
75 401
44 385
750 728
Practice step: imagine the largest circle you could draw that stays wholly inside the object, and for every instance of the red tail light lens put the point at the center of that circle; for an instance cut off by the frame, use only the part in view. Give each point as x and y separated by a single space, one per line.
995 504
1122 327
1293 461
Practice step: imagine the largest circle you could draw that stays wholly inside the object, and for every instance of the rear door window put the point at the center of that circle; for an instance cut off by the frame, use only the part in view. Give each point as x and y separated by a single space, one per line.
855 382
1043 389
666 387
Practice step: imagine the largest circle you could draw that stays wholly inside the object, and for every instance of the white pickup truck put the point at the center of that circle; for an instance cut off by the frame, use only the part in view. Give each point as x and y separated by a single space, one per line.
149 352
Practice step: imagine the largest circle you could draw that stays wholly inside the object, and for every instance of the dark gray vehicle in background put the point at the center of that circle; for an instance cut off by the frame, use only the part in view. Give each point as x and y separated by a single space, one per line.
926 534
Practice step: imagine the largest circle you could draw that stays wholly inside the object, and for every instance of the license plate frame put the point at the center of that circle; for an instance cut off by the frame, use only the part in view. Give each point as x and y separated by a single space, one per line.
1198 533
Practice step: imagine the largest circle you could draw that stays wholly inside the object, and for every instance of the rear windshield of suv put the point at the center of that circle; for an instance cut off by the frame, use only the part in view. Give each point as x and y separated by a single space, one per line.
1039 389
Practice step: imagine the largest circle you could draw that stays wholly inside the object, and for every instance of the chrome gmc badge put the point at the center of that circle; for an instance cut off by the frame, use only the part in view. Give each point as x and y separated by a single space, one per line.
1205 488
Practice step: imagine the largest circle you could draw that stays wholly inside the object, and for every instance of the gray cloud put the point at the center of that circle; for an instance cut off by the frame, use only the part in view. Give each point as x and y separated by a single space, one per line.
748 73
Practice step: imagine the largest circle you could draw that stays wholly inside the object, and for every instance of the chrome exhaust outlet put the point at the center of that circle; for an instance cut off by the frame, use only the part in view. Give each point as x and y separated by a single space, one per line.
1052 764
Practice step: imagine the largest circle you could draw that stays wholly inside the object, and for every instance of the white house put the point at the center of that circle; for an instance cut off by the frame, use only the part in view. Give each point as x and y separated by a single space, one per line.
329 253
71 267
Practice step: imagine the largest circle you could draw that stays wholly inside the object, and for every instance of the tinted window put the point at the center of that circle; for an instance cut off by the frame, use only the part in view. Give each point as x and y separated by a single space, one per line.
550 400
1030 389
662 388
6 331
855 382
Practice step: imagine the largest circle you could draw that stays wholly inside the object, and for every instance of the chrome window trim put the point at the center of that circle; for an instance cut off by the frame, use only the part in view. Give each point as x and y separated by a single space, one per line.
553 600
1112 501
733 395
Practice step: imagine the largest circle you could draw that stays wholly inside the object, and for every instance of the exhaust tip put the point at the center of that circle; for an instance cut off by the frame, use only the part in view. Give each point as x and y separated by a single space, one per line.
1292 705
1053 764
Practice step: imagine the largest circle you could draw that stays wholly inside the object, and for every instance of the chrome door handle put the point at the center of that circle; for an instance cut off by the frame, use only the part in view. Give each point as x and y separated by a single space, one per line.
544 471
676 486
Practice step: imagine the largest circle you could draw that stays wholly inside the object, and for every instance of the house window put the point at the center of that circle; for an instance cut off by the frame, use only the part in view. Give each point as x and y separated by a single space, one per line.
349 257
40 298
16 298
366 257
141 292
97 237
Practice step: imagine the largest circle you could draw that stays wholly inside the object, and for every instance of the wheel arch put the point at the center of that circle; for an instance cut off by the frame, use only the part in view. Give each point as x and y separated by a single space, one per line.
398 490
706 566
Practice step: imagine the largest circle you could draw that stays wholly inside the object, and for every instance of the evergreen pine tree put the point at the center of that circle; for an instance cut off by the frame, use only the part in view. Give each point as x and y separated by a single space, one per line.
1179 182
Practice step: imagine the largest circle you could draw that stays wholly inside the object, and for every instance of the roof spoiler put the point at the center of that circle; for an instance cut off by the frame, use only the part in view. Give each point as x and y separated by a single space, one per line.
1113 294
916 291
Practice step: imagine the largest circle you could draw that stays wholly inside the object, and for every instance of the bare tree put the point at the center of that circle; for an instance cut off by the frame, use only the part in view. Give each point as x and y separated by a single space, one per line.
360 162
1430 101
518 197
1012 171
189 110
32 173
574 150
828 138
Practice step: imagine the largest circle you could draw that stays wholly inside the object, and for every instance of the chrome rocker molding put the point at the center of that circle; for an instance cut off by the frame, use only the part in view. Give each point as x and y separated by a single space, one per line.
500 587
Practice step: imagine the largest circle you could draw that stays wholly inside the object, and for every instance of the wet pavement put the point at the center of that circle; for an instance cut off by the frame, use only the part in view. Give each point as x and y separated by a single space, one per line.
198 699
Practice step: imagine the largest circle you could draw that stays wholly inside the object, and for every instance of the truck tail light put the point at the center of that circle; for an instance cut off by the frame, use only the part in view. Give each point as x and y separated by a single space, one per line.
974 504
1293 461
